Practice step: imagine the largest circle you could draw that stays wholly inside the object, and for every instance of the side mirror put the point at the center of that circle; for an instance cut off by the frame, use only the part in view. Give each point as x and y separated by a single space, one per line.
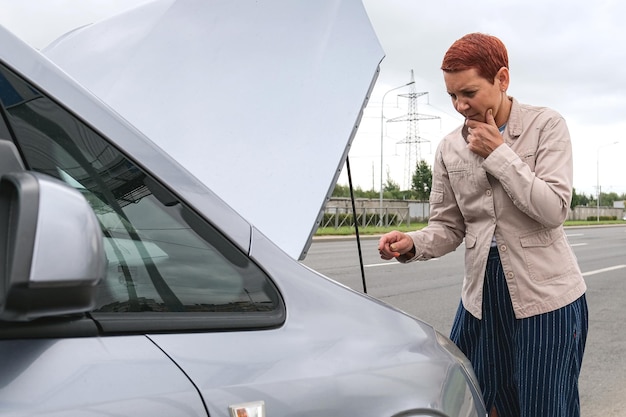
51 248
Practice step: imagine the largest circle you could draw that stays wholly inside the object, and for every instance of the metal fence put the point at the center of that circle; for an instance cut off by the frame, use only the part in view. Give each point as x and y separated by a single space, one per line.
336 217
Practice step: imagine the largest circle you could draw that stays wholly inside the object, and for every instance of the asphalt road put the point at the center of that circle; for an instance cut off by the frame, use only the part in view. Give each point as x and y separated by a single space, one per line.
430 291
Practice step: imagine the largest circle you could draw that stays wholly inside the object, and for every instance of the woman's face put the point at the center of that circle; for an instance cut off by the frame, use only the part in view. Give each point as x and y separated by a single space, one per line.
472 95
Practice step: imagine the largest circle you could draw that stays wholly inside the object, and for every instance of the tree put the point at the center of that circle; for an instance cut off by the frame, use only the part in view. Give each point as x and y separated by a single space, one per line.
575 199
390 184
580 199
341 190
422 180
608 199
584 200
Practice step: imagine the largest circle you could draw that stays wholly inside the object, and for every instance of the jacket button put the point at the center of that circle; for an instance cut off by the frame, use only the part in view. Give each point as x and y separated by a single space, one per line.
488 192
503 248
510 274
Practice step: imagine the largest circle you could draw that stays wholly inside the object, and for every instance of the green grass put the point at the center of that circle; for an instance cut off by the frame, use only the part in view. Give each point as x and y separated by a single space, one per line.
372 230
593 222
375 230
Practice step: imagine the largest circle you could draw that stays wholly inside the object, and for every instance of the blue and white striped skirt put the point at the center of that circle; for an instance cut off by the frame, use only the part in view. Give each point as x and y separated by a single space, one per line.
526 367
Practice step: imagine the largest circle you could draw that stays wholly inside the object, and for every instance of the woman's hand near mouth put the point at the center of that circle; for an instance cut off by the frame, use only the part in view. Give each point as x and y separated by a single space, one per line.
482 137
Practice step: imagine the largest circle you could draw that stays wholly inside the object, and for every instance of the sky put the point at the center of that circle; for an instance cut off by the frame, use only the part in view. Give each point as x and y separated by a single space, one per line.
568 57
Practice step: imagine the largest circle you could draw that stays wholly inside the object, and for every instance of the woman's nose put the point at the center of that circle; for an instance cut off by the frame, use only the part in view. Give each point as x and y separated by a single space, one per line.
461 106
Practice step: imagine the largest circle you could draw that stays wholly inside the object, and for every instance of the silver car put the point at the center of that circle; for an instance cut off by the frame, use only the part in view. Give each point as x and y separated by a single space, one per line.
147 269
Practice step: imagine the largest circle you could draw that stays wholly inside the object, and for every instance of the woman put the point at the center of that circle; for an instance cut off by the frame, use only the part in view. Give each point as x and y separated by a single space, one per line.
502 183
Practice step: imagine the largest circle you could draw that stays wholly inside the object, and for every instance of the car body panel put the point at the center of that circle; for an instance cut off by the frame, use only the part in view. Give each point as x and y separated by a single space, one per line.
92 377
313 364
258 74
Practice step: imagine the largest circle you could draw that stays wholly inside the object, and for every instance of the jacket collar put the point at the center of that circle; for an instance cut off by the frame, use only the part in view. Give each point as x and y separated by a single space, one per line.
514 124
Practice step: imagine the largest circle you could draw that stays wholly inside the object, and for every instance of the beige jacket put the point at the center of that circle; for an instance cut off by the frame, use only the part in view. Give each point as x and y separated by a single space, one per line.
520 193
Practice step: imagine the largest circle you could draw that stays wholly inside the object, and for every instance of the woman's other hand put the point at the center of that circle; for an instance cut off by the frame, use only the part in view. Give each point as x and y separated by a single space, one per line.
394 244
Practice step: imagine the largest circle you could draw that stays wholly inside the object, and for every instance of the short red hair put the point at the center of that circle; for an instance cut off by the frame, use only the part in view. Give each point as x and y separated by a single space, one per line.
486 53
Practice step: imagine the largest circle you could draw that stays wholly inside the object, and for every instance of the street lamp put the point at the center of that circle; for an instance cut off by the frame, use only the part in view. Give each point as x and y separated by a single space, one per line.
382 134
598 179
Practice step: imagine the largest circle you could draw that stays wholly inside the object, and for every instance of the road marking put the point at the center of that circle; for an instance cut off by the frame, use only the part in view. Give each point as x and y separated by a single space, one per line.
383 264
578 244
599 271
393 262
575 234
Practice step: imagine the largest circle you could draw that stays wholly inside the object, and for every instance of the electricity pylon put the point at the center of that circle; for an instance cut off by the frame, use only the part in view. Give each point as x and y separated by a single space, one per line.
413 140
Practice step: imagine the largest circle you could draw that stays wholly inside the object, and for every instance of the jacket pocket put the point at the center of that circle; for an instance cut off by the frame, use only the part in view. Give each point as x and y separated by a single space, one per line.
470 257
529 157
547 254
470 240
461 175
436 197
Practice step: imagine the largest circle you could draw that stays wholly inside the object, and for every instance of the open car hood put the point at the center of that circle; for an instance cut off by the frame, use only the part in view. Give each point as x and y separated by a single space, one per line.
259 99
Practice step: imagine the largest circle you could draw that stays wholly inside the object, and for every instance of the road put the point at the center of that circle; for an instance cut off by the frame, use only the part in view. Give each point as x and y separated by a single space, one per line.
430 290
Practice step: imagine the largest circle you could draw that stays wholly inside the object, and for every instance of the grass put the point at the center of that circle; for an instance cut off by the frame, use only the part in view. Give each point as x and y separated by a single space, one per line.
375 230
370 230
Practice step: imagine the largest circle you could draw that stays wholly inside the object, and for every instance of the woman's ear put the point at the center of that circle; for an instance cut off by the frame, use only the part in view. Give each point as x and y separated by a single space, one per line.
502 76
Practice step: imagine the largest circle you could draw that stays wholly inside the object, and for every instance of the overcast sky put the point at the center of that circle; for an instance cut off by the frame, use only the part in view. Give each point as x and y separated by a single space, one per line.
566 55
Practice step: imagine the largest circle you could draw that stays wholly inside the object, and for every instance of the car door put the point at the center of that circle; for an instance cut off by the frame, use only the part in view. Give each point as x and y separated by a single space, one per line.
49 371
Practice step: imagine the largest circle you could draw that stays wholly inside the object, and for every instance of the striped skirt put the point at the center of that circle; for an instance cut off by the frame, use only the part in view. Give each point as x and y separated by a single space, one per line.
526 367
